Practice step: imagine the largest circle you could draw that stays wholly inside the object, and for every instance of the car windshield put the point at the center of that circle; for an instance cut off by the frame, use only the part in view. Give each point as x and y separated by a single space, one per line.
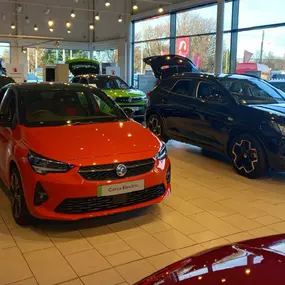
106 82
252 91
67 107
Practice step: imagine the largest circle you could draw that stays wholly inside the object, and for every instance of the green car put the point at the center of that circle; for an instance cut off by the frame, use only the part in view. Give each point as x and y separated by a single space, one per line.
87 72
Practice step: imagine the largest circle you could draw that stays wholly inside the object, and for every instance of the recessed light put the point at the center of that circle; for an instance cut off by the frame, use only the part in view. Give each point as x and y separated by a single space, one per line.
72 14
50 22
107 3
36 28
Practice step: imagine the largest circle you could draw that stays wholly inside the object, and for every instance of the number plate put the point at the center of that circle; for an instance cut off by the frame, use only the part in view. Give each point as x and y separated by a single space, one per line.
121 188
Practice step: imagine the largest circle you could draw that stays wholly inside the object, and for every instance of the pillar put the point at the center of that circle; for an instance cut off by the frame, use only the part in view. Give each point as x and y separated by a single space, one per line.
219 37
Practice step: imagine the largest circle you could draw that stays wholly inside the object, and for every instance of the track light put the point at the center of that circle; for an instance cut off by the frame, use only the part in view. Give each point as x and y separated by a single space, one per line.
50 22
36 28
91 26
68 31
27 20
72 14
13 26
24 50
68 24
120 19
47 11
97 16
19 8
160 9
107 3
51 29
135 6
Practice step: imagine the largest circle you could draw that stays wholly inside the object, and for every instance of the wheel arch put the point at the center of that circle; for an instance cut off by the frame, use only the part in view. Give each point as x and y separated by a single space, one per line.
154 112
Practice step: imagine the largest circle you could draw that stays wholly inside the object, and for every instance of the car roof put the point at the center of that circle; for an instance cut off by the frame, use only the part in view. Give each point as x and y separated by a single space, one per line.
97 75
51 86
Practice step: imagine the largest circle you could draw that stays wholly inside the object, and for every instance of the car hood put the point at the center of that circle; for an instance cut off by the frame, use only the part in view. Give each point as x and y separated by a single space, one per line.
77 144
276 111
164 66
259 261
114 93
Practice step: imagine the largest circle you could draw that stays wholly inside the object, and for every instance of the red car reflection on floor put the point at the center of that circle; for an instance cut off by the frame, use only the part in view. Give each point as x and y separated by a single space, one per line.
258 261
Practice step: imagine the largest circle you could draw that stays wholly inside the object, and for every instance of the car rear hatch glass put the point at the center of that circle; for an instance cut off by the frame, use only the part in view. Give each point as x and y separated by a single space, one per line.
83 66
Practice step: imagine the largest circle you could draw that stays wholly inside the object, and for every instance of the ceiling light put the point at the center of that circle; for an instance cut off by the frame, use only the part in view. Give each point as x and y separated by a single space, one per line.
50 22
68 24
72 14
91 26
24 50
120 19
19 8
107 3
97 16
68 31
36 28
51 29
27 20
3 17
13 26
135 6
47 11
160 9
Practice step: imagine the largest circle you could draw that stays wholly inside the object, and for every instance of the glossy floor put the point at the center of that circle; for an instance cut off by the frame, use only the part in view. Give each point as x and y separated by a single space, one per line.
210 206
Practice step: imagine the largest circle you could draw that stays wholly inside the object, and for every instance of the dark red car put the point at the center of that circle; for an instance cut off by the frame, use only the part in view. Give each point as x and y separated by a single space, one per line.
258 261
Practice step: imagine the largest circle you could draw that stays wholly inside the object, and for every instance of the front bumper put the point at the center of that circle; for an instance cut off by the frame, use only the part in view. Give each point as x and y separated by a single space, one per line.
71 197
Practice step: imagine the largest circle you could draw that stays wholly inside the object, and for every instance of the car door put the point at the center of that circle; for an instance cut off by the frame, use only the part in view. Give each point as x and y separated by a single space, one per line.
8 110
217 114
182 117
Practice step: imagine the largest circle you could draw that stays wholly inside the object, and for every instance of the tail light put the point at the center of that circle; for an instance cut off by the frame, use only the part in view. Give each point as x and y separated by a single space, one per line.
148 95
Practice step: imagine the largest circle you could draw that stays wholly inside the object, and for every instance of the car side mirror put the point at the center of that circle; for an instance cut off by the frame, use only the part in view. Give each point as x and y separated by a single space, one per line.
5 121
129 112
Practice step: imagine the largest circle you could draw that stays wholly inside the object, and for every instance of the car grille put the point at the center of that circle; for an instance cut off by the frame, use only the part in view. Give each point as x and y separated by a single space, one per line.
128 99
94 204
108 171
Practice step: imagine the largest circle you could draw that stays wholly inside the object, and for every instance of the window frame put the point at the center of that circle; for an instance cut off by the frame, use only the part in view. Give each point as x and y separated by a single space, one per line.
185 79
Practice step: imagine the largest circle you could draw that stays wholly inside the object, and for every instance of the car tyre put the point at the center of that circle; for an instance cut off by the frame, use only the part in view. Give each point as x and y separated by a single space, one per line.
248 156
20 210
155 125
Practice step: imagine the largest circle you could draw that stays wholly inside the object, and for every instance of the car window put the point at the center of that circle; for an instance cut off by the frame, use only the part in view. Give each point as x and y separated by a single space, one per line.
253 91
83 81
8 106
108 82
184 87
167 84
208 91
75 79
61 107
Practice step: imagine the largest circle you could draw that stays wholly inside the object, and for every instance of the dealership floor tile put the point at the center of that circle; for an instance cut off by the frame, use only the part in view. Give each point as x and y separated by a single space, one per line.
210 205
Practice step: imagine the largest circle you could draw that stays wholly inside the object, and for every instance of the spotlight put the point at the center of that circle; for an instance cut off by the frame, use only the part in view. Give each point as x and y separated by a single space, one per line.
120 19
135 6
72 14
19 8
97 16
36 28
91 26
24 50
50 22
47 11
13 26
160 9
51 29
27 20
107 3
68 24
68 31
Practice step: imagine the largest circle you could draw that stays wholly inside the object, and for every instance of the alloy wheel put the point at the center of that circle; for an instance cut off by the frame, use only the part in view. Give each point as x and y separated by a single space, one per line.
245 156
155 126
16 195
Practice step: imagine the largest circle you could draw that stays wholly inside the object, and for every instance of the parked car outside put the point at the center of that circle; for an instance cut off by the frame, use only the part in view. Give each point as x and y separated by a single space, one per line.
280 84
258 261
241 116
68 152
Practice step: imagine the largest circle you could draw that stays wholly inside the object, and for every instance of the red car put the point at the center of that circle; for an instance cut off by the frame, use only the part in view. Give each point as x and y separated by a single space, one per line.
259 261
68 152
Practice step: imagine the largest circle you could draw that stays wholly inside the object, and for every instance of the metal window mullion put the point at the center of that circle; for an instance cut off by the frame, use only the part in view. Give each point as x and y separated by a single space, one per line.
234 36
173 33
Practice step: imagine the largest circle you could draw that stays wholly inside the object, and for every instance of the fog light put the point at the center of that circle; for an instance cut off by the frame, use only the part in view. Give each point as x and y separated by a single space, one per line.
168 175
40 196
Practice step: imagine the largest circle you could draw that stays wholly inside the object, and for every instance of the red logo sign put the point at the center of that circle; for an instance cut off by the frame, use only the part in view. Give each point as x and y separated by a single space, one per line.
183 46
113 72
14 69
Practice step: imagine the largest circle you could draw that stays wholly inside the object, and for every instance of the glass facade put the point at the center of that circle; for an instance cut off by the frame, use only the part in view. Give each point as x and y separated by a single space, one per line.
253 41
5 51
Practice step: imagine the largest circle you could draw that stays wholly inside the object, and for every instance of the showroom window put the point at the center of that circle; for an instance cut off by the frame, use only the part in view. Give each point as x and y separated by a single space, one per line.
106 56
5 51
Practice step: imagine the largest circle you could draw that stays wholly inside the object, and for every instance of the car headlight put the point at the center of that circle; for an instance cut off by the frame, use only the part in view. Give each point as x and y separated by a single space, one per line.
279 127
43 165
162 153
